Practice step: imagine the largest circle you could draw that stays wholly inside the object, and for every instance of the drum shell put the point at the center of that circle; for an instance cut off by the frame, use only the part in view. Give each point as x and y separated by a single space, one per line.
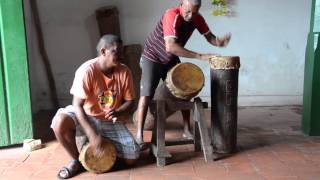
175 90
108 159
224 107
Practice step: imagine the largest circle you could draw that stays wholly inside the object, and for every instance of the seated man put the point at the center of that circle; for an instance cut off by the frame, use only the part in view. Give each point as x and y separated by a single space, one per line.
103 93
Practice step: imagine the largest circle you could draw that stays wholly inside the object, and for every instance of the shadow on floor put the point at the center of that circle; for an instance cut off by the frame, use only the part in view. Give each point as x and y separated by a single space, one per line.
41 125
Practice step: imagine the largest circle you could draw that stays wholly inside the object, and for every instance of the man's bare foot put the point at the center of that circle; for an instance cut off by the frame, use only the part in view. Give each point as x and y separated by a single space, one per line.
143 146
187 135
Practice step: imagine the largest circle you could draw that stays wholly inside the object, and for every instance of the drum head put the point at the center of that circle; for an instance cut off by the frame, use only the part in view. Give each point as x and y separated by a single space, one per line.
225 62
187 77
98 165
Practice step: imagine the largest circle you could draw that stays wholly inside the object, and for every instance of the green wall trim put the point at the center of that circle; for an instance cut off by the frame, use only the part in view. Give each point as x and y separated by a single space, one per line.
307 91
311 91
15 67
311 94
316 20
315 113
313 7
4 129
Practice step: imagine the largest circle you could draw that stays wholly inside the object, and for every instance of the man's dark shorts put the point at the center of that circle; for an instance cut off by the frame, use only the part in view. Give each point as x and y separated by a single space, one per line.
151 74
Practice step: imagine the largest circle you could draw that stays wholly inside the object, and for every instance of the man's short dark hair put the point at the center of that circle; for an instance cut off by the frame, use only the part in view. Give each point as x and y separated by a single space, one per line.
106 41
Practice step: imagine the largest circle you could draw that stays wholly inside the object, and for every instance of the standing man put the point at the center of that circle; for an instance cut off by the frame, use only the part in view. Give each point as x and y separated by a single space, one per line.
103 96
162 50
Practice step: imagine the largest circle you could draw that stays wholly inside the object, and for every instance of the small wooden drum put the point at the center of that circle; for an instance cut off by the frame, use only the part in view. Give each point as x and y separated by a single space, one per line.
185 80
98 165
224 102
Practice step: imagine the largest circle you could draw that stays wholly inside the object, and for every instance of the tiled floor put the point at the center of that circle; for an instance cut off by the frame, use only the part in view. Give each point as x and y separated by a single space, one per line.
270 143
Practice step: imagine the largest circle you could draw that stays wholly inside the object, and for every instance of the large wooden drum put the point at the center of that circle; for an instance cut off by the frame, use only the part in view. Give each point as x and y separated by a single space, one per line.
98 164
224 102
185 80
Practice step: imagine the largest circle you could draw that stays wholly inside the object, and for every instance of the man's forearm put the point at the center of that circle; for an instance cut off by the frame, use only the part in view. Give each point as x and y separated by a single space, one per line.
212 39
178 50
174 48
216 41
126 108
83 120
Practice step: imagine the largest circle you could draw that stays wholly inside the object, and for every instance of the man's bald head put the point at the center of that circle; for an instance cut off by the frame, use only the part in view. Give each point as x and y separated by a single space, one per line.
193 2
189 9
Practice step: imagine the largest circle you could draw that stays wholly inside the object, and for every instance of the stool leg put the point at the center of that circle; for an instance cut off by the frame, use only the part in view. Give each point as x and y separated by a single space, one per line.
158 139
161 160
153 139
153 107
205 139
196 135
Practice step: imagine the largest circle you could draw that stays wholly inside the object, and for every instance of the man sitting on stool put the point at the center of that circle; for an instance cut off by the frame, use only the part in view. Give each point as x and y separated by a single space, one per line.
103 93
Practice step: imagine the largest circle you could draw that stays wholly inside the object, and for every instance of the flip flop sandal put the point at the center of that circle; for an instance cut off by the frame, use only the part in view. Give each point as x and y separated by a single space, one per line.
143 146
69 173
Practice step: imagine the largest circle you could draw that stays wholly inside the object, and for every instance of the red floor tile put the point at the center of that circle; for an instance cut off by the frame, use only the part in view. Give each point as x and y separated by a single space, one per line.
270 147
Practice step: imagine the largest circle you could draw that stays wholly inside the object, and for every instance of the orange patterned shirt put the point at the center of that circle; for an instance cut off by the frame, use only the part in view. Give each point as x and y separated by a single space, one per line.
101 93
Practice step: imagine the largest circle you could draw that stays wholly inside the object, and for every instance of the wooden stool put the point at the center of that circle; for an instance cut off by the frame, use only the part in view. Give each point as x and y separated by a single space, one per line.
201 138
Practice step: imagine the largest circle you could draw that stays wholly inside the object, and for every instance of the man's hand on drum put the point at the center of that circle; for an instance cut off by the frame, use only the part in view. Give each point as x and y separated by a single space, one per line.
206 57
96 143
112 115
223 41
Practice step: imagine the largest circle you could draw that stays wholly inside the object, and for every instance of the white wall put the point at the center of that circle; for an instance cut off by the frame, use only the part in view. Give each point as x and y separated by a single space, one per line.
269 36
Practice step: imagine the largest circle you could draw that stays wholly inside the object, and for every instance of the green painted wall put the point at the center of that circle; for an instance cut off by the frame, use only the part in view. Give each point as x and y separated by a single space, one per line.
311 94
14 74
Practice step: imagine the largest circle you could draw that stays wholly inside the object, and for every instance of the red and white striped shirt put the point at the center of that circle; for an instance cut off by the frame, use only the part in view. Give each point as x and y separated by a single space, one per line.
171 24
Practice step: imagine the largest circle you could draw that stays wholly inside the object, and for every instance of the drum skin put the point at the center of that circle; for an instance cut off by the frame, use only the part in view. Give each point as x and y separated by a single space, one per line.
225 62
185 80
98 164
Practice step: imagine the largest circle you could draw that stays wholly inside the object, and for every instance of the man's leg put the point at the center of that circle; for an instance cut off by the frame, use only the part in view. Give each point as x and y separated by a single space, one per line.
186 124
128 150
150 77
143 105
65 129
